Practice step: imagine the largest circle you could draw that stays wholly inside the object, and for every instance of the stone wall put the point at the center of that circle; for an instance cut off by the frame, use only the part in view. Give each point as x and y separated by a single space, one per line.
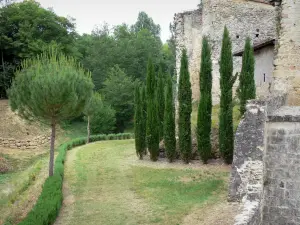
188 32
287 63
281 197
243 18
246 183
24 144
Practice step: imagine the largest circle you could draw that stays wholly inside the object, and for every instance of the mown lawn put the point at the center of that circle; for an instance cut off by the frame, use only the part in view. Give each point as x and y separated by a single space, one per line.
106 184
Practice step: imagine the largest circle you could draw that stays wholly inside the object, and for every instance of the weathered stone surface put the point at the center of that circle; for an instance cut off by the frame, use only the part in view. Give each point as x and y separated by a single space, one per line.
281 198
24 144
287 63
246 183
243 18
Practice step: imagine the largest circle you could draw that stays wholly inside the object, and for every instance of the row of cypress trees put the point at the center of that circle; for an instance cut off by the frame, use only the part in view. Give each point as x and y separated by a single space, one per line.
246 91
155 111
155 115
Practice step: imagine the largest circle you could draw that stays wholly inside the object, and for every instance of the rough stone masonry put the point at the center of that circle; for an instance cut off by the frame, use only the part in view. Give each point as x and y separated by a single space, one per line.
254 19
273 196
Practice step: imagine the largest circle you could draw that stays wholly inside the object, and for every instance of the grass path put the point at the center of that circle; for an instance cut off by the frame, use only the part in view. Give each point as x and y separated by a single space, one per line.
105 184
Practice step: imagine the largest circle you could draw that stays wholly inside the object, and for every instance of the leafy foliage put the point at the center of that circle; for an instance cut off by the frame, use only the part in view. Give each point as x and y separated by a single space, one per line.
119 93
205 104
91 108
227 80
27 29
103 121
169 121
185 109
50 88
146 22
247 88
152 113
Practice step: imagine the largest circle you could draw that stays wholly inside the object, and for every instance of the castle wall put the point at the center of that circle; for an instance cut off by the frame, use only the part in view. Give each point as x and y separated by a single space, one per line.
188 32
287 63
281 168
243 19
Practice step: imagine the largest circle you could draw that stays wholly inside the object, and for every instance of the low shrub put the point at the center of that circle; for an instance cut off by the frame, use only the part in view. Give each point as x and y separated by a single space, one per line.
49 202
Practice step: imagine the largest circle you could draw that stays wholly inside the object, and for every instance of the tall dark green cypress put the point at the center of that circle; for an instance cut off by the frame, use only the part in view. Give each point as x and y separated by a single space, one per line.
247 88
144 119
169 121
205 104
152 113
185 109
160 101
138 123
227 80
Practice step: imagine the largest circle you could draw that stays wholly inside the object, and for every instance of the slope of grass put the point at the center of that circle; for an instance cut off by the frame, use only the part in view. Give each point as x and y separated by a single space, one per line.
105 185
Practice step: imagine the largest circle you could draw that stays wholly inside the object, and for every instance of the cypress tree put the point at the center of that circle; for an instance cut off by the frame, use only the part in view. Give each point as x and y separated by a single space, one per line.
185 109
247 89
169 121
152 114
138 123
205 104
161 102
227 80
143 119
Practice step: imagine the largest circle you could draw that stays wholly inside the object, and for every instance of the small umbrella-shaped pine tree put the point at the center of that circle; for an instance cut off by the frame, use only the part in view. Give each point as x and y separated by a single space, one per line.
50 88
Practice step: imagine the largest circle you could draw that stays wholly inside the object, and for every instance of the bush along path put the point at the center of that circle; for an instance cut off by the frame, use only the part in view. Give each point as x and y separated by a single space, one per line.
49 202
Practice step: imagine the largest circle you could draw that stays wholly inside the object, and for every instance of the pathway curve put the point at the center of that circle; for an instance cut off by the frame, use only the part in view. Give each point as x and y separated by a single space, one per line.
99 189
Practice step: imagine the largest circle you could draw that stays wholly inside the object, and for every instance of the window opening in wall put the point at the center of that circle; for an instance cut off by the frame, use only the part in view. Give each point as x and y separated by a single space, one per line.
257 35
257 30
237 36
264 77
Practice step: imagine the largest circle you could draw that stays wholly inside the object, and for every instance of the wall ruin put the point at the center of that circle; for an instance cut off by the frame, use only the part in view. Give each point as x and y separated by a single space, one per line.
31 143
287 63
243 18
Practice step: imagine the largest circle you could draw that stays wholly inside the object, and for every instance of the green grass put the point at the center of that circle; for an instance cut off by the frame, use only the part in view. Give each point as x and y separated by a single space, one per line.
109 186
14 186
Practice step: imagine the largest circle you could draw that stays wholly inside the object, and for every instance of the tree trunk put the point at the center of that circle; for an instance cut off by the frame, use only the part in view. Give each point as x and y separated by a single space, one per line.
88 130
51 161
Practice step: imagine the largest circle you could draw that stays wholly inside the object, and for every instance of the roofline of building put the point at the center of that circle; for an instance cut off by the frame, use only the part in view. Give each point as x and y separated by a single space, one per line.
256 46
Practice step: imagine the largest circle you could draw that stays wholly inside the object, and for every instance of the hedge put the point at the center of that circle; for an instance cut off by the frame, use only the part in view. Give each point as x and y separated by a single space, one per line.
49 202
